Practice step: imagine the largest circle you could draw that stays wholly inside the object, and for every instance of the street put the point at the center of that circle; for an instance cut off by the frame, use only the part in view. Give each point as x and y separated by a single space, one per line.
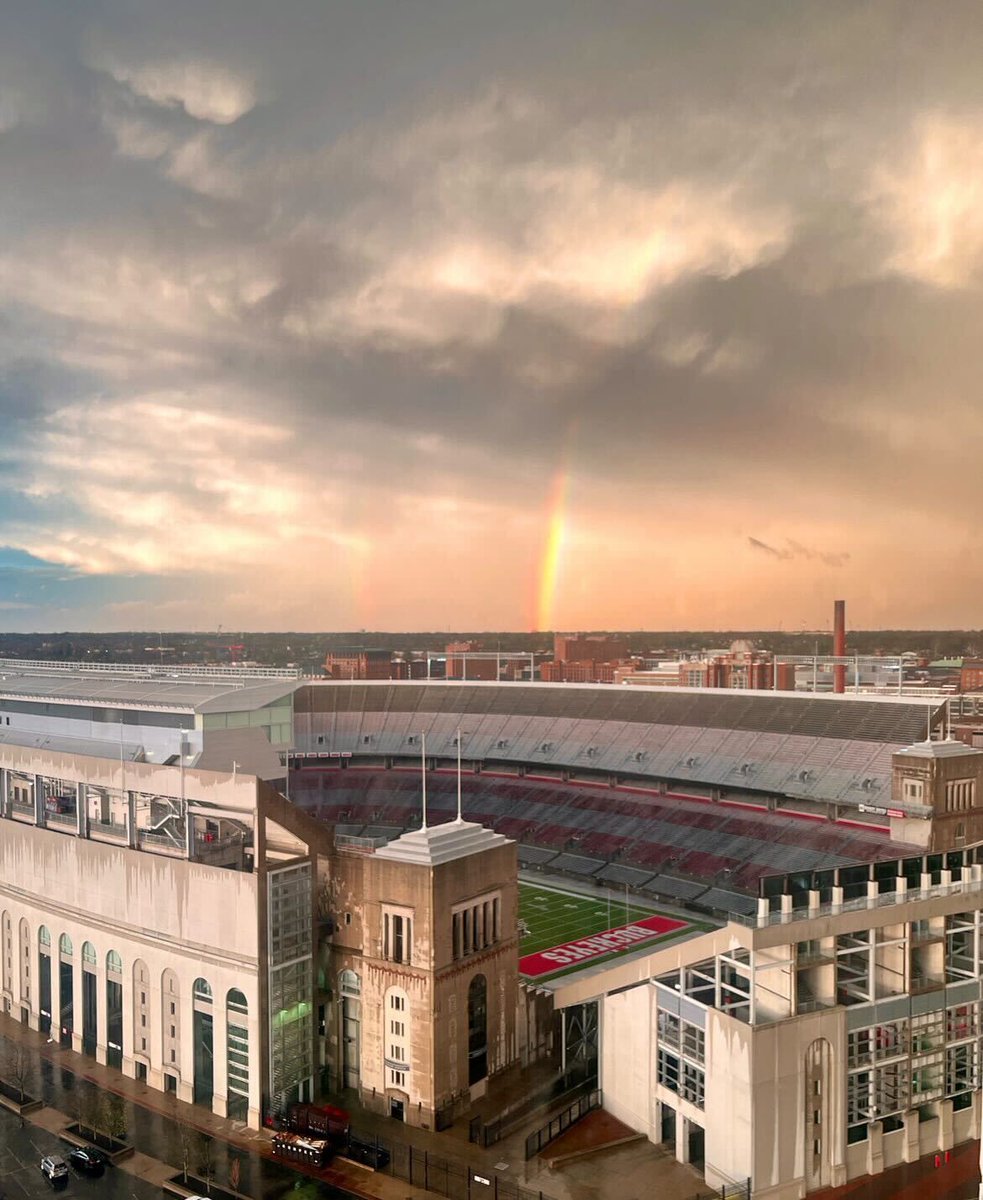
154 1126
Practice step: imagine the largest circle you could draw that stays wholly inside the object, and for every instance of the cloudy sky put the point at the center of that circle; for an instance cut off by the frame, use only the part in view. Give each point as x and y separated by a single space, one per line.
341 314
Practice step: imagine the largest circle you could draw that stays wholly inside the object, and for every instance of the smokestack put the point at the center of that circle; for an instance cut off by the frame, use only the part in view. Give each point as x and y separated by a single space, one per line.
839 644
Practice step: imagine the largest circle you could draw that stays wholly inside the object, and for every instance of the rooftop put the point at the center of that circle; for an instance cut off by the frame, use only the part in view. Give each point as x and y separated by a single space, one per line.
180 694
437 844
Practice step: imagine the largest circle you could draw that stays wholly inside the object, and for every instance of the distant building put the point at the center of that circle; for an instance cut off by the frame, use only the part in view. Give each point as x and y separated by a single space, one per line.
742 667
357 663
460 664
583 671
589 647
971 675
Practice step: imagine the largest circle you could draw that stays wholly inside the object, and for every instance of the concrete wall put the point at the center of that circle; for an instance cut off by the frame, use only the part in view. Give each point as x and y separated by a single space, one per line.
627 1064
166 913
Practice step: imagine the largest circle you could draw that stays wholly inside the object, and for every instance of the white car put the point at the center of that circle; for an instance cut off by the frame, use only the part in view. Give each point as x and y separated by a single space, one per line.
53 1168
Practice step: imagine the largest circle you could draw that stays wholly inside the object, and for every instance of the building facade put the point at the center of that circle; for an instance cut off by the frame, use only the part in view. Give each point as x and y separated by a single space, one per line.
160 919
425 963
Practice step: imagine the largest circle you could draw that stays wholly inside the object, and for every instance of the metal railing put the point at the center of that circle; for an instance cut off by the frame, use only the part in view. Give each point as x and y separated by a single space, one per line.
860 904
727 1191
561 1122
446 1177
29 666
99 829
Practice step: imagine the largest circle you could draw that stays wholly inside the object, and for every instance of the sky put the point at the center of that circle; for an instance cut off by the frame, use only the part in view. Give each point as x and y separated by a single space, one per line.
403 314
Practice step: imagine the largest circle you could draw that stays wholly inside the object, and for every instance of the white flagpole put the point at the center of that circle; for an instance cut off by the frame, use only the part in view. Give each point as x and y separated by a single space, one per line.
423 772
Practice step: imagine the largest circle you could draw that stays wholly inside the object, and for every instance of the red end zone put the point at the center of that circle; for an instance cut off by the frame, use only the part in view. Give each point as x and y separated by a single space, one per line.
624 937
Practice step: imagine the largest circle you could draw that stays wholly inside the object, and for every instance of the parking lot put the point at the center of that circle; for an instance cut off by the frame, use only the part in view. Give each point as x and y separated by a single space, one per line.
21 1150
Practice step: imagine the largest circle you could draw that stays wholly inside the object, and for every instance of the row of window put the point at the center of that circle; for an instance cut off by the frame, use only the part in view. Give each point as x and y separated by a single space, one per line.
928 1031
683 1078
896 1087
476 926
677 1034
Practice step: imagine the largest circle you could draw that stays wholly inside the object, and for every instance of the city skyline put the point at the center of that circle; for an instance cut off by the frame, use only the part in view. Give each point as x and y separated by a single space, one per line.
437 315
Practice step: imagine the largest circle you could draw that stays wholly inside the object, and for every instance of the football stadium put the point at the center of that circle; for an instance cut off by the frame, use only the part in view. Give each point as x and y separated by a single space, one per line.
807 1009
750 921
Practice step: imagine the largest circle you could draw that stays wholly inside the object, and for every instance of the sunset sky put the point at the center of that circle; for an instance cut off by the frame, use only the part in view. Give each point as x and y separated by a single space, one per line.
402 314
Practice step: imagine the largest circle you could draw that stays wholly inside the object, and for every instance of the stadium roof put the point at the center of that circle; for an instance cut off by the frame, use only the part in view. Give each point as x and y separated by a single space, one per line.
175 695
851 716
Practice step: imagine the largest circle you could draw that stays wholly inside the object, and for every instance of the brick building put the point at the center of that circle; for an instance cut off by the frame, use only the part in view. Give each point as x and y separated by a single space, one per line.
358 663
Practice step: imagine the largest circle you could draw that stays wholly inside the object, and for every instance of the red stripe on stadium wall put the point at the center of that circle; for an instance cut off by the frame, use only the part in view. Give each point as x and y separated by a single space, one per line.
624 937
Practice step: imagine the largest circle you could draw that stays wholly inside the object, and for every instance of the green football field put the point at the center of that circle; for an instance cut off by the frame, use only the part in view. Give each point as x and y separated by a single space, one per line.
554 917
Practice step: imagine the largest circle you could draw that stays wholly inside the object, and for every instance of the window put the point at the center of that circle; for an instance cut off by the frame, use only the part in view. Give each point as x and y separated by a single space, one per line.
397 1078
397 1002
960 794
397 937
913 790
668 1070
476 925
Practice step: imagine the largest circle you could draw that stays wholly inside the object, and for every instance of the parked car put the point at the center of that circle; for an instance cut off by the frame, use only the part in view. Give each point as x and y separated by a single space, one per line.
55 1170
88 1161
367 1153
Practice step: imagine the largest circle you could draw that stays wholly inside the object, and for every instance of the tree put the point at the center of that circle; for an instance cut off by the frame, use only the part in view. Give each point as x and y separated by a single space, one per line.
186 1141
17 1067
114 1116
88 1108
206 1161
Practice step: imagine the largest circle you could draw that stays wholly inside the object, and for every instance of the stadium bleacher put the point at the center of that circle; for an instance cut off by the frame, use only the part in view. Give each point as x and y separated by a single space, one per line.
828 749
671 846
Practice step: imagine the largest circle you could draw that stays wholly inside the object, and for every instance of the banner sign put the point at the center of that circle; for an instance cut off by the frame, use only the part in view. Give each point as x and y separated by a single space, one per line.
624 937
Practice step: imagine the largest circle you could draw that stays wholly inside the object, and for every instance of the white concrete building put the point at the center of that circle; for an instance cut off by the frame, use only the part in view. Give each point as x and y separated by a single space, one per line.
161 919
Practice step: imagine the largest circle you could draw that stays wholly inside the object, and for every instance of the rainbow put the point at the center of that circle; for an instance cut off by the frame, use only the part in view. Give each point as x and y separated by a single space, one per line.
549 567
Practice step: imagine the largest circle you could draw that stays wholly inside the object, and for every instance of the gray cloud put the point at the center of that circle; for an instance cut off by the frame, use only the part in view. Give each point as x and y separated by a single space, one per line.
688 250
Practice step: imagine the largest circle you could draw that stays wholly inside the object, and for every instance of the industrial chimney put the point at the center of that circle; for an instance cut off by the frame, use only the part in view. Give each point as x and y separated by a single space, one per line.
839 645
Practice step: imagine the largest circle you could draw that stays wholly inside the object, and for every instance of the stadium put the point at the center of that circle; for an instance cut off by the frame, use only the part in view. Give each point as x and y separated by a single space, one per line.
749 921
809 1012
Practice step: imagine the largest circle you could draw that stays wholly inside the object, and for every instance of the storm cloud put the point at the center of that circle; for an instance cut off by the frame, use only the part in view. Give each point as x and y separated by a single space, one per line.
304 308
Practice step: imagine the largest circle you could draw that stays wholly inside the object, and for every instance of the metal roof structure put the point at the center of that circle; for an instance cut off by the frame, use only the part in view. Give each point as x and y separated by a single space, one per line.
160 693
803 746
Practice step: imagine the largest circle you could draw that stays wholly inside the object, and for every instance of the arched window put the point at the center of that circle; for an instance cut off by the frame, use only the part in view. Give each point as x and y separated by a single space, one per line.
114 964
349 984
65 946
44 937
203 991
237 1053
88 955
477 1029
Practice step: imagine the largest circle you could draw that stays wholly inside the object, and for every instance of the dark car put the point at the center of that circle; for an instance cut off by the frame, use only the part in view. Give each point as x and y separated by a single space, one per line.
367 1153
87 1160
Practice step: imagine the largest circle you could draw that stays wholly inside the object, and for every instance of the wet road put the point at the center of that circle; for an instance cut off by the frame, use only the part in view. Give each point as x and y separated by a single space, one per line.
20 1179
159 1135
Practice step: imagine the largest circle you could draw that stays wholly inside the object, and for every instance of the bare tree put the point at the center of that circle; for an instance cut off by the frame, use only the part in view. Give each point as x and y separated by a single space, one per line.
186 1142
206 1161
17 1067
